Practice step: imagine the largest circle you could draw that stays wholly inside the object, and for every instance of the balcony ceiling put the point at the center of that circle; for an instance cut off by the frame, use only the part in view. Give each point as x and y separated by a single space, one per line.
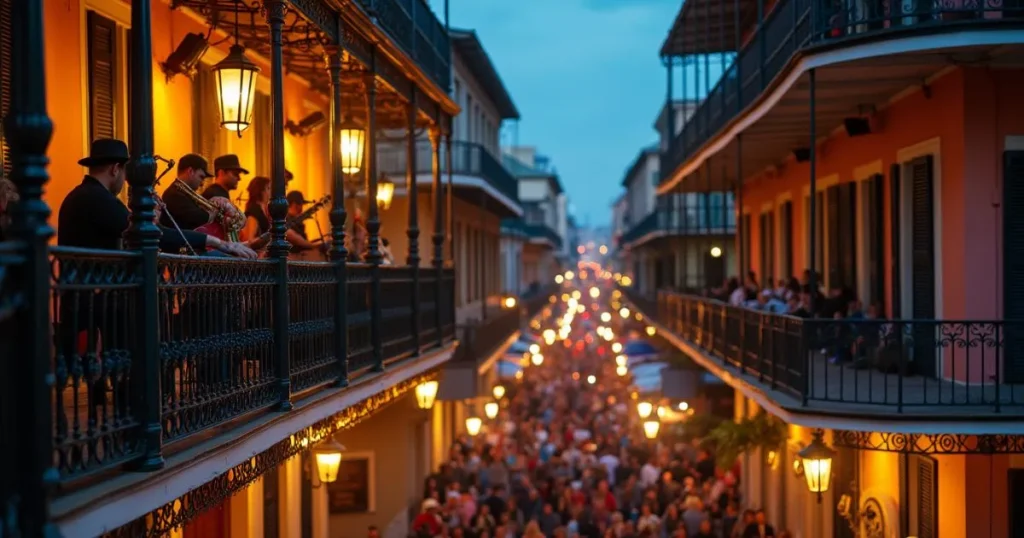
706 26
842 91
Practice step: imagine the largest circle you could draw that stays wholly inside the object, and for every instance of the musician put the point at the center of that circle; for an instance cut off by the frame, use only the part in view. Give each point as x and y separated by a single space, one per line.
93 217
257 216
192 170
296 201
228 172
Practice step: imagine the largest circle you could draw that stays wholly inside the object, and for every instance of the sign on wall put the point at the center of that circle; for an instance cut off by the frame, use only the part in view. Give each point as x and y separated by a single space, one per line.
353 491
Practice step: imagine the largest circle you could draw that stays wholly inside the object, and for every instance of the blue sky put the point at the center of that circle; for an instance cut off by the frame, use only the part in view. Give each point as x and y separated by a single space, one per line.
587 80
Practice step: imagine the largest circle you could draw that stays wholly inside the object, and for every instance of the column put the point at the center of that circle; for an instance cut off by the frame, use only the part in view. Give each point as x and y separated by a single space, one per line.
339 255
144 236
373 255
438 238
279 246
413 232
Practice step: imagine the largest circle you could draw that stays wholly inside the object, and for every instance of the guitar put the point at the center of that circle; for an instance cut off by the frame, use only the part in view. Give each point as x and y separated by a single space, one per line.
306 214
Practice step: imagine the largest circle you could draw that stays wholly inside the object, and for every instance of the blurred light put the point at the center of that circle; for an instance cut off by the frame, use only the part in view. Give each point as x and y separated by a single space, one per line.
491 409
498 391
621 370
621 360
537 359
509 302
651 330
639 316
606 317
624 312
644 409
595 293
651 428
626 281
559 279
716 252
683 406
581 249
591 379
661 412
616 347
569 275
473 425
426 392
603 250
576 294
575 376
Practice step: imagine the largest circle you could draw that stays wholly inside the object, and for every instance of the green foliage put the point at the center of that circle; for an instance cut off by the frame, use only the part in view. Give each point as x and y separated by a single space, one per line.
730 440
700 426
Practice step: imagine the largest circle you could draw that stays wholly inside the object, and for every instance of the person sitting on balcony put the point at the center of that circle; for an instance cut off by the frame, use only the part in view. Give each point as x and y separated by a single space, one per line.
769 302
737 293
8 195
93 217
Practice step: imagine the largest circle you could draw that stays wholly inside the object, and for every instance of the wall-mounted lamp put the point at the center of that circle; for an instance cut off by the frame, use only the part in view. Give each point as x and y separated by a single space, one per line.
328 460
385 192
306 125
186 56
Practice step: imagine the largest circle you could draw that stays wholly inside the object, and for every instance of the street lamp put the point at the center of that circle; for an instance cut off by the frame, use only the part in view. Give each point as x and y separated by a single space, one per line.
644 409
473 425
498 391
816 459
385 192
352 139
716 252
491 409
651 428
426 392
509 302
236 88
328 459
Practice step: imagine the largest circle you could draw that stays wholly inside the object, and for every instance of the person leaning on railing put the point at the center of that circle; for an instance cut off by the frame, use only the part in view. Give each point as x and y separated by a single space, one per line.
93 217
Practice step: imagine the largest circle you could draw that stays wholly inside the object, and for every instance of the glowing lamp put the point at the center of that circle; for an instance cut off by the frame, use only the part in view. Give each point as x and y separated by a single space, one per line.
328 459
491 409
606 317
426 392
621 370
716 252
651 428
352 139
473 425
591 379
621 360
683 406
650 330
509 302
534 348
385 192
616 347
559 279
816 460
498 391
595 293
644 409
236 89
624 312
537 359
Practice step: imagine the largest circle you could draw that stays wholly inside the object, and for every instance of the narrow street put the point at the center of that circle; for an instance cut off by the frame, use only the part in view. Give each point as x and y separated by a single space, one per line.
577 441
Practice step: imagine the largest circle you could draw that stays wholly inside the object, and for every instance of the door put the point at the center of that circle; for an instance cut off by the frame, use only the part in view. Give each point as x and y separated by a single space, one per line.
1015 481
922 264
1013 263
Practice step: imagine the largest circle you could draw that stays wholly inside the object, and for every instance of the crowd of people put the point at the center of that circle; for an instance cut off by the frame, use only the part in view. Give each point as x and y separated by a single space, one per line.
567 458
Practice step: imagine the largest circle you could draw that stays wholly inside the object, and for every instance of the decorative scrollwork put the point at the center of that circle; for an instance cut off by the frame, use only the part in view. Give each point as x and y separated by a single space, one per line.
921 443
177 513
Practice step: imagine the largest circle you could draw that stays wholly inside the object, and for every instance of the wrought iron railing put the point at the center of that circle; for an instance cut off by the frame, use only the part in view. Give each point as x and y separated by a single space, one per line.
216 364
468 159
890 365
700 221
413 25
482 337
794 26
12 300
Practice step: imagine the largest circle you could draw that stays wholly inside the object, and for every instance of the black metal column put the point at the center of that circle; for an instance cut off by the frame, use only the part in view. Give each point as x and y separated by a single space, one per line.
29 129
738 42
438 259
670 116
279 247
813 210
412 192
373 254
144 236
740 230
481 247
761 45
339 254
709 241
449 193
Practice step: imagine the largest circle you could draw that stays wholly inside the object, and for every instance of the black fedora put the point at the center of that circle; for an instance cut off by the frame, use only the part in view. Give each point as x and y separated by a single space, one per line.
106 151
228 162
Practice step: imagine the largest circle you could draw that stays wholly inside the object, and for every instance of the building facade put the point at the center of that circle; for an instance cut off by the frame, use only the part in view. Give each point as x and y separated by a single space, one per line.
870 163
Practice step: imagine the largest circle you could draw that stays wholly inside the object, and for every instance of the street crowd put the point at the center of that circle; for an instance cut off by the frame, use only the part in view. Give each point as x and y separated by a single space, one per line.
567 458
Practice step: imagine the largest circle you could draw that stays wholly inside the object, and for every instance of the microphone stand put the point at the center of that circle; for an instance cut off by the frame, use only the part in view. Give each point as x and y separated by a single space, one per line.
163 206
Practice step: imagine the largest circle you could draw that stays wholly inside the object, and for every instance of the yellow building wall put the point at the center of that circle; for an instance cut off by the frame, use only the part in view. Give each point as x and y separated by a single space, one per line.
66 71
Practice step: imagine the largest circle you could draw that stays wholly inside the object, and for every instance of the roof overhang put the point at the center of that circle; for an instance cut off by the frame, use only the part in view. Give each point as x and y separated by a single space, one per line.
467 45
708 26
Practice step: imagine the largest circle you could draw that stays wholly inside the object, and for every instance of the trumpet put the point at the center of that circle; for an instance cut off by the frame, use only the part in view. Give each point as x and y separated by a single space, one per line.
225 219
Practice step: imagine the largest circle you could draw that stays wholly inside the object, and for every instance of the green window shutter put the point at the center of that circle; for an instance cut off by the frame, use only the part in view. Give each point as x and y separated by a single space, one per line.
102 49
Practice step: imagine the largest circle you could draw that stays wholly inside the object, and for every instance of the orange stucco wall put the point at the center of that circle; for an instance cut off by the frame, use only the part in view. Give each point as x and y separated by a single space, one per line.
66 74
977 115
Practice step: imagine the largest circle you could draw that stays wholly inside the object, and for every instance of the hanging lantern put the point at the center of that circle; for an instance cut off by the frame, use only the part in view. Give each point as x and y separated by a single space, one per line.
491 409
662 412
644 409
236 89
385 192
473 425
352 138
498 391
651 428
816 460
328 460
426 392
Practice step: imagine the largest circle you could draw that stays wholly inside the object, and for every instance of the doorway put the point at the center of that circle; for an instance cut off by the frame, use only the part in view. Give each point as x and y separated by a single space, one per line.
918 259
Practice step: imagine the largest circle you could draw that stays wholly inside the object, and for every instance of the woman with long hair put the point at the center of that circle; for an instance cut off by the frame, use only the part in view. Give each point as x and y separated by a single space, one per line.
257 215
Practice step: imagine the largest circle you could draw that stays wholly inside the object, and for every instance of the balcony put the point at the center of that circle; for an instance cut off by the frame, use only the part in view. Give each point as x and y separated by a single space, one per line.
665 223
881 367
535 233
471 163
795 29
415 28
149 364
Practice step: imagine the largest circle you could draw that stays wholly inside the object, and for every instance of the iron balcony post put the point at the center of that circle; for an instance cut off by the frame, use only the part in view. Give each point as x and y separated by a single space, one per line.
450 212
29 129
279 246
761 45
482 257
670 116
373 254
143 235
813 203
438 237
339 254
412 194
740 228
737 44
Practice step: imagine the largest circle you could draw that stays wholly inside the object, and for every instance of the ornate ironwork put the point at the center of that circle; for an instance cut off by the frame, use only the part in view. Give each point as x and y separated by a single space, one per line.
177 513
920 443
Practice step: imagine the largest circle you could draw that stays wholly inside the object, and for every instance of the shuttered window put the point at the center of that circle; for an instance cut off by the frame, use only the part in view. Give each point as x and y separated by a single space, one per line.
745 246
896 273
272 503
1013 261
102 50
922 262
5 82
786 240
919 495
874 230
840 209
819 230
767 249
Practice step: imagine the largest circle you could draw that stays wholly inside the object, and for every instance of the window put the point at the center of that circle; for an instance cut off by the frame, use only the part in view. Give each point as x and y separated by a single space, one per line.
872 194
819 234
745 245
786 240
767 225
107 50
919 492
841 204
468 112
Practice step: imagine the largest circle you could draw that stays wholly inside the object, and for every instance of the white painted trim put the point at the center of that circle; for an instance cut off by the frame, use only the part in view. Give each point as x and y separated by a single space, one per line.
371 463
886 47
812 419
151 491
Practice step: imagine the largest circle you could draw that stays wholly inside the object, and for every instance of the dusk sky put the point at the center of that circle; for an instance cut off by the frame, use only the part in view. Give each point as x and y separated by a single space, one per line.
587 80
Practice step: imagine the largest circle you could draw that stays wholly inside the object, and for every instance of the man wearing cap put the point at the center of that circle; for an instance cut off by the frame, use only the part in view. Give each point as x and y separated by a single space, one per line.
192 170
93 217
228 172
296 201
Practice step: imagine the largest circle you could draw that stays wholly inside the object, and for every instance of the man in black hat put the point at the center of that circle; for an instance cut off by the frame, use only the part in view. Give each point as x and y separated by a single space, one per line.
192 170
93 217
296 203
228 172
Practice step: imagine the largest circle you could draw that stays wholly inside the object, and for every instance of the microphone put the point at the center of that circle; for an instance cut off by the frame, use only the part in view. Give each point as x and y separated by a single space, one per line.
170 162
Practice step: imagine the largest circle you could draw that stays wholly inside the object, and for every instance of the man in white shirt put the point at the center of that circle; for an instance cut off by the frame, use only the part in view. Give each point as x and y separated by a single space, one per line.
649 473
611 463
